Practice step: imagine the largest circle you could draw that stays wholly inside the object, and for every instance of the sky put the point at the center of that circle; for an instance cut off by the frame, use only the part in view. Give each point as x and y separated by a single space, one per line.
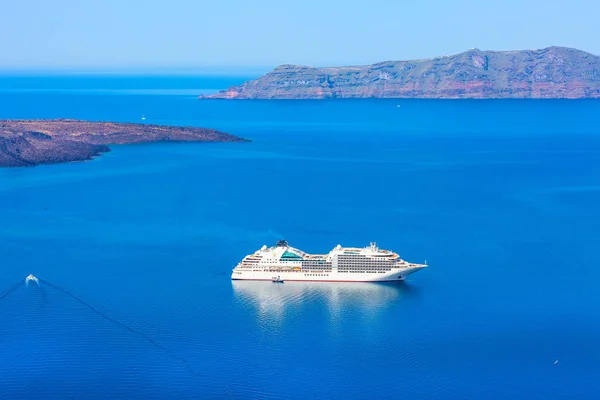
230 34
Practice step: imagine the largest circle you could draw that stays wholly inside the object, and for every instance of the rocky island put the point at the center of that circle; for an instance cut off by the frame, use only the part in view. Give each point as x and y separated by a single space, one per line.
554 72
25 143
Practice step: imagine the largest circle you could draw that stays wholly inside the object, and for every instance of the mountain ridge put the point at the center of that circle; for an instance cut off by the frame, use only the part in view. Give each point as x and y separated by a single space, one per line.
552 72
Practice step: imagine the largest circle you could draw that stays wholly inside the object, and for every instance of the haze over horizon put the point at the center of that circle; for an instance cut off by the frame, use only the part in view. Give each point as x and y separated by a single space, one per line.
184 35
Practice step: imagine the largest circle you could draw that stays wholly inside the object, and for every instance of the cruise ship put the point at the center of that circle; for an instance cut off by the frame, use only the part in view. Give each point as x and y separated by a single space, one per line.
283 262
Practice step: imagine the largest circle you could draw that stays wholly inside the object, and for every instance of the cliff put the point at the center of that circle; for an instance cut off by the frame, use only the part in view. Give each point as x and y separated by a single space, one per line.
554 72
34 142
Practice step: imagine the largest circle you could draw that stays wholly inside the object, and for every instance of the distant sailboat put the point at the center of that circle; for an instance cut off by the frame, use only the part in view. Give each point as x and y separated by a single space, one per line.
143 117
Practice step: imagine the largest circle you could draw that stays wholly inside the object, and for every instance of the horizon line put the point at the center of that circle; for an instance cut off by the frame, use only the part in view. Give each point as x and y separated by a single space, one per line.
225 69
136 70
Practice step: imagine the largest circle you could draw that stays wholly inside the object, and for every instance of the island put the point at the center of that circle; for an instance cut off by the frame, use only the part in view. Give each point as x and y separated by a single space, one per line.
554 72
26 143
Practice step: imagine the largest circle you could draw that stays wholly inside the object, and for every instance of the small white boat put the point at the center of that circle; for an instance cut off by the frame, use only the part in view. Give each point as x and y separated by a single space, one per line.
277 279
31 278
143 117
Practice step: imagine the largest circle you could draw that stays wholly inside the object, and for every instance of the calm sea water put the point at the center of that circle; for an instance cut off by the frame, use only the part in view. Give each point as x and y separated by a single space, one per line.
500 197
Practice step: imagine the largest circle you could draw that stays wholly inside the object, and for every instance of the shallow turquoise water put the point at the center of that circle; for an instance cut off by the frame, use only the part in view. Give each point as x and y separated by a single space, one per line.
500 197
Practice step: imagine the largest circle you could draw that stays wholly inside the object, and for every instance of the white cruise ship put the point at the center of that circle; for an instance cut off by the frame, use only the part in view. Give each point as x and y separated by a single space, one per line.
343 264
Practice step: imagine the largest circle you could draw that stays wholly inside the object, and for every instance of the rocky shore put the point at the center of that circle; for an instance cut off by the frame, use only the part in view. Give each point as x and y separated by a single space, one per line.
554 72
25 143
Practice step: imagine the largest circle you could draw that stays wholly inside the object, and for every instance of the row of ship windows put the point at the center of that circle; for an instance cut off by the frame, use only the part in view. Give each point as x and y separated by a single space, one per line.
329 264
361 260
316 274
358 256
351 266
347 258
362 272
277 262
296 270
317 263
340 266
282 270
364 265
326 270
364 261
361 264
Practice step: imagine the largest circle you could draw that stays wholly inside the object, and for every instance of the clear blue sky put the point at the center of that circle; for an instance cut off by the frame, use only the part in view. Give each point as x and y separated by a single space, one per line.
121 34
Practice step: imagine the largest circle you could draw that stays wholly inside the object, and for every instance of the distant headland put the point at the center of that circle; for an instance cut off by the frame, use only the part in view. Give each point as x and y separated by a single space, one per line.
26 143
554 72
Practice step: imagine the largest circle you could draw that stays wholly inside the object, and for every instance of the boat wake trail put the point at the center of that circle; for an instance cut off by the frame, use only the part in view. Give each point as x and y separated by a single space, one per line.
147 338
122 325
11 290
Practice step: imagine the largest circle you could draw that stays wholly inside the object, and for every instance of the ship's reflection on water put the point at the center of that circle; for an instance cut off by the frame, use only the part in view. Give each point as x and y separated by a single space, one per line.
275 301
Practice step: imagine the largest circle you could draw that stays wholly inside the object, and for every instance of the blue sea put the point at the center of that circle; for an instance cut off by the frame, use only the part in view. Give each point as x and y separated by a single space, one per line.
501 198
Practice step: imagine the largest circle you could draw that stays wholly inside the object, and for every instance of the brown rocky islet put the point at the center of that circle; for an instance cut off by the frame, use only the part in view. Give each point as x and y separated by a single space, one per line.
26 143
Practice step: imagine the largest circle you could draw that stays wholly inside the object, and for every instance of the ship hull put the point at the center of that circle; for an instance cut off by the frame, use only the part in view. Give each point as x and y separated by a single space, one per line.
318 276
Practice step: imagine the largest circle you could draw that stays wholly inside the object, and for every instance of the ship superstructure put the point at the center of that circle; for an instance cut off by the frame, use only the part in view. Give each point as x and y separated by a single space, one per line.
342 264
